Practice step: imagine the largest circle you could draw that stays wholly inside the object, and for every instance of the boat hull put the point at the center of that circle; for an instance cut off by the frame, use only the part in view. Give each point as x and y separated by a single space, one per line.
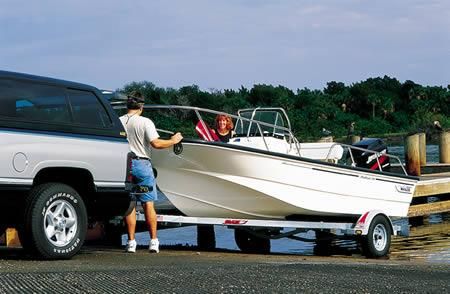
221 180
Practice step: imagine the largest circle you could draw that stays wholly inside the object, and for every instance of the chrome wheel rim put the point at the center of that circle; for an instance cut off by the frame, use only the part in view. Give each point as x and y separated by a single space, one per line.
60 223
379 237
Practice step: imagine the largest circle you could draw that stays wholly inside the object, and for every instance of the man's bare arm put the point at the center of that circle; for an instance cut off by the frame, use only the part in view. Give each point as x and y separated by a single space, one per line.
161 143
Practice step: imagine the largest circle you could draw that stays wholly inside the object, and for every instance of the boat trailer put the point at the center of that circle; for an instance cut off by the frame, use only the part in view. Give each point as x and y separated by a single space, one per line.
372 230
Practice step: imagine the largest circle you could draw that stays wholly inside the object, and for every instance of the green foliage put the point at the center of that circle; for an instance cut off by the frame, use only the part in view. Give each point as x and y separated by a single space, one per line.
376 105
400 120
372 126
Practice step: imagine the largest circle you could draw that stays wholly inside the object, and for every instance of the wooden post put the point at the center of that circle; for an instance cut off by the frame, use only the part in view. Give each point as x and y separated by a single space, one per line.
412 155
355 139
444 147
423 149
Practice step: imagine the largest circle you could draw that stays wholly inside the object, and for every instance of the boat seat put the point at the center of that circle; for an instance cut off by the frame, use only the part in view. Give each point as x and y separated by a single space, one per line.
336 153
330 152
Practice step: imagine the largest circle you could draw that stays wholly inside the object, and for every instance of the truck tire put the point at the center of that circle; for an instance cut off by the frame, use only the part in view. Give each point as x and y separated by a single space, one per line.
55 221
378 240
24 236
250 243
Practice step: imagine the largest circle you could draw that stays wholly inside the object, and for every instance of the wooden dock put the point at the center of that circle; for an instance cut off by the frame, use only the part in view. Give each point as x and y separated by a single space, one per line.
434 177
432 185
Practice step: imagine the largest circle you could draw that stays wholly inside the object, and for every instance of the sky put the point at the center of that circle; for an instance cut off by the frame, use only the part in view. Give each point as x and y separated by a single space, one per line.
226 44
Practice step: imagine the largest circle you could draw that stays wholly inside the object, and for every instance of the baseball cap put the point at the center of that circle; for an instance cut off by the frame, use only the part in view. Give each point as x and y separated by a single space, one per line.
135 97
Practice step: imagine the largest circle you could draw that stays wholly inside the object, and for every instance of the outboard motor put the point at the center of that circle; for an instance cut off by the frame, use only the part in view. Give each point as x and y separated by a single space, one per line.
368 159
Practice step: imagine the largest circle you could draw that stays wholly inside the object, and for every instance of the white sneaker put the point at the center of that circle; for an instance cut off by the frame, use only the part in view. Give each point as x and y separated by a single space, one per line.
131 246
154 246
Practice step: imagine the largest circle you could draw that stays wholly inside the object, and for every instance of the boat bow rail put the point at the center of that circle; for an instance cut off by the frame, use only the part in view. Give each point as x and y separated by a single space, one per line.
260 126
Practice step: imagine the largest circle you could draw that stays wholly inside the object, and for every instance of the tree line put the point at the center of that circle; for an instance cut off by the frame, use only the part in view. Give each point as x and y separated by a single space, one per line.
375 106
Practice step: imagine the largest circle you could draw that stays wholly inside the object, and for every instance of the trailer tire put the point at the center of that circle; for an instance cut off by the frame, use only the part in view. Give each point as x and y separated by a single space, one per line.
249 243
378 240
206 238
323 246
55 221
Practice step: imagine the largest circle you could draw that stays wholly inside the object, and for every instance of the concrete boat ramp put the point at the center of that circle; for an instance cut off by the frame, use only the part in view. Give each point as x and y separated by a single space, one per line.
110 270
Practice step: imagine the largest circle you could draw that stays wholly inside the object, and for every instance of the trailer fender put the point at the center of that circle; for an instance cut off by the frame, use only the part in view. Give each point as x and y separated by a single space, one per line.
365 220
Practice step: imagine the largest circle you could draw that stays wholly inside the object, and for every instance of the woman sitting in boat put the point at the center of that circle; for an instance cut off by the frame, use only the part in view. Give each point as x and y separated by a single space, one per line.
224 128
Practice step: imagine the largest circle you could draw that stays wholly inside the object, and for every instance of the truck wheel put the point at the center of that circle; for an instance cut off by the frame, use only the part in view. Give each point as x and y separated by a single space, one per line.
55 221
250 243
378 240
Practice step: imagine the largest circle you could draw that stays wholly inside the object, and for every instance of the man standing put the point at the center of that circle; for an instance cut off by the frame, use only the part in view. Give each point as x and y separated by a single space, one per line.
142 135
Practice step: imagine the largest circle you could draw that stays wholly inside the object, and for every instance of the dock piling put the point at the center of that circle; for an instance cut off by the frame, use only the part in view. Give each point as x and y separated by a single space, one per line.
355 139
412 155
444 147
423 149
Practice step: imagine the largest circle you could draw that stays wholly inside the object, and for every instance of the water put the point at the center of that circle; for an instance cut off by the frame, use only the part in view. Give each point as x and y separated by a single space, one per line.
429 242
432 153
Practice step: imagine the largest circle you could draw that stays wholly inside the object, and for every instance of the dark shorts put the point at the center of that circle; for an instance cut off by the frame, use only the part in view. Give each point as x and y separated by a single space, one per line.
143 176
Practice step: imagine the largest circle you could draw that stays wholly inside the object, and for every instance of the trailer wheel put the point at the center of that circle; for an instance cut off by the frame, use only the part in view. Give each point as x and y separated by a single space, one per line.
378 240
323 246
206 238
55 221
249 243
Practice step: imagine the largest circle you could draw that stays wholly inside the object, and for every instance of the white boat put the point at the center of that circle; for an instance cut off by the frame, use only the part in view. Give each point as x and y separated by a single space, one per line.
265 173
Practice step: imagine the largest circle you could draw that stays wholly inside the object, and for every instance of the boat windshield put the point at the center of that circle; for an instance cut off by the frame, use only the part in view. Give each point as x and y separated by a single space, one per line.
275 117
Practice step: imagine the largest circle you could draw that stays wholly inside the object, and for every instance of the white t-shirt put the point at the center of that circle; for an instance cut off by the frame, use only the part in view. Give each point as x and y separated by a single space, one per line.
140 132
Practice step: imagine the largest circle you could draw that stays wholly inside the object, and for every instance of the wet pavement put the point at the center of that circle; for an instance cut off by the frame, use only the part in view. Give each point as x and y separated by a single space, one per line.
428 243
110 270
419 263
